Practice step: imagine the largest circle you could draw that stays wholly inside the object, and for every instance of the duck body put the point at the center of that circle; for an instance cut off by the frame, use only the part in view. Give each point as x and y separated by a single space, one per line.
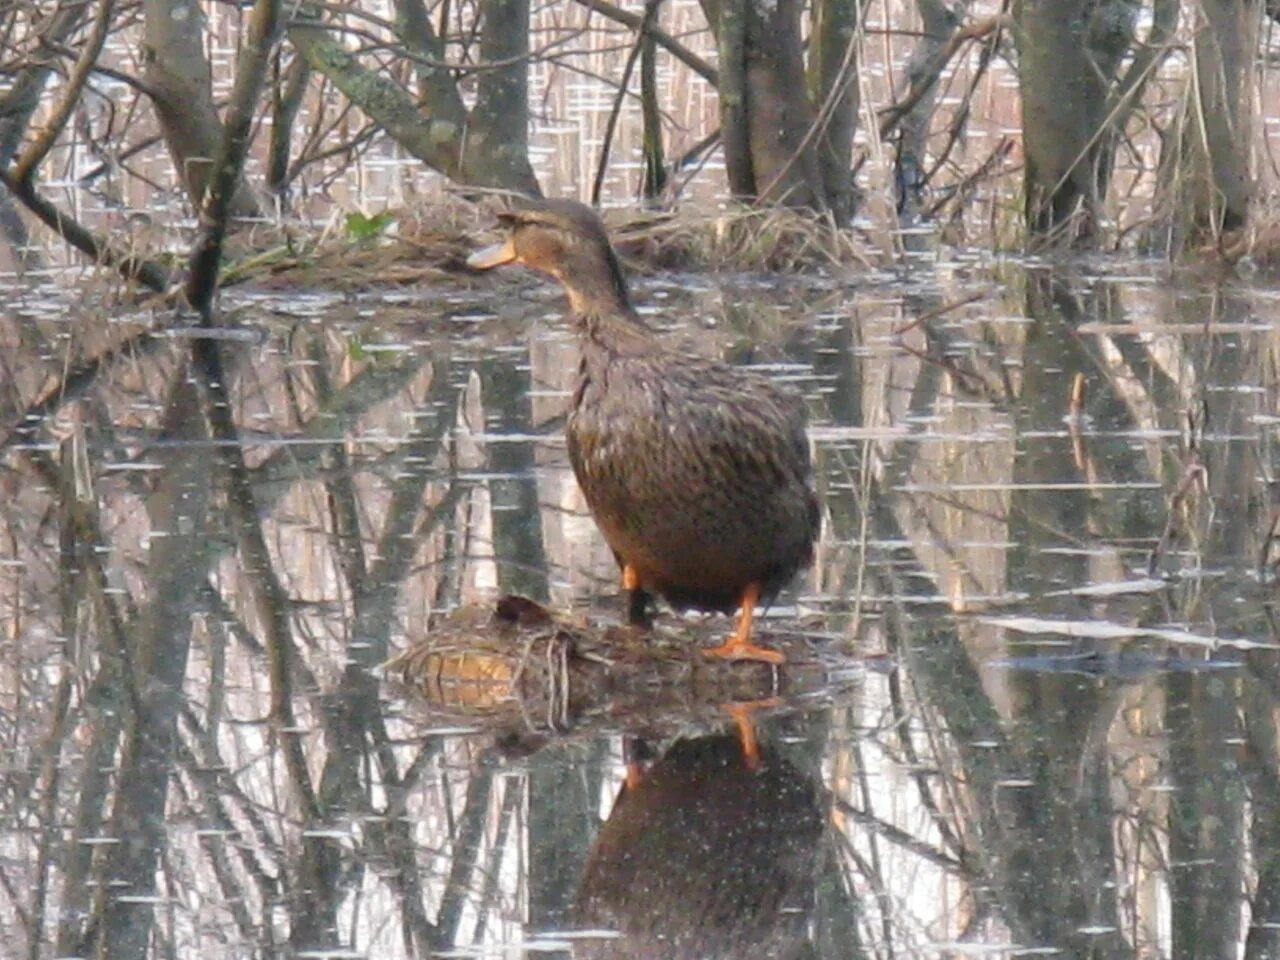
696 472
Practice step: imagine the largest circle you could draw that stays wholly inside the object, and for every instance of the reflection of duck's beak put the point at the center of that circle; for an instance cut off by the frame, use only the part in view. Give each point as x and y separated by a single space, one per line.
494 256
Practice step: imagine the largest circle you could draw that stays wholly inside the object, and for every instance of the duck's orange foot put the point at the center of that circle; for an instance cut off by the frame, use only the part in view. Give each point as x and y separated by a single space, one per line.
735 649
739 646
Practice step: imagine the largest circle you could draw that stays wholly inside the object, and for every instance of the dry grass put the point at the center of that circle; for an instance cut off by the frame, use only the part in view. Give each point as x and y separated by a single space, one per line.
1255 247
417 245
741 238
432 242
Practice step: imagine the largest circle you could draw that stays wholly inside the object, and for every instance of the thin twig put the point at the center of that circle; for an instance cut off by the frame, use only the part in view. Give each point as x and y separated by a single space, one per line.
646 26
682 53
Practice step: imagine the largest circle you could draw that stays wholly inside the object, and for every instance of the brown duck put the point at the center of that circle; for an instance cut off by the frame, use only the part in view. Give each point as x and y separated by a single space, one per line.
696 472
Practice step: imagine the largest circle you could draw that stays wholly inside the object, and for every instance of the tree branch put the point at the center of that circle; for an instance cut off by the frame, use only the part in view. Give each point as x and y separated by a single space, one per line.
668 42
25 168
150 274
261 35
892 116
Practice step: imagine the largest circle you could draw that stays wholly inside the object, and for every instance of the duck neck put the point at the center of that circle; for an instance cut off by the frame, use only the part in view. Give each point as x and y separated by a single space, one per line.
613 332
597 287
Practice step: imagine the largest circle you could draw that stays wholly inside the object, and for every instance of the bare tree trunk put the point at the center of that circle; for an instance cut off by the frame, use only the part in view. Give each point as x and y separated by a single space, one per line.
1069 54
438 95
180 82
833 88
730 20
766 115
938 24
497 144
655 165
288 89
1205 168
486 147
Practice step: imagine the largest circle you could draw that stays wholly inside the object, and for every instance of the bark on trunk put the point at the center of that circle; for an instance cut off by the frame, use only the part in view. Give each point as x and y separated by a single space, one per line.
1205 169
787 131
497 145
179 78
833 88
17 108
655 164
779 115
937 25
487 146
1069 54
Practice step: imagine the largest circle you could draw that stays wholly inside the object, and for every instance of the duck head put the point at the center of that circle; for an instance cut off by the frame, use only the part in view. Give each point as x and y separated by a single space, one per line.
566 240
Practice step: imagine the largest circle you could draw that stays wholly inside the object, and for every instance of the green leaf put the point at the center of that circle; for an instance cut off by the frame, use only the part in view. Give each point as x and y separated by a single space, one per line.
361 228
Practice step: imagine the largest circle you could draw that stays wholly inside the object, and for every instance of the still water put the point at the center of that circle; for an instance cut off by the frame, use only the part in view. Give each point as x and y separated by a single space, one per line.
1032 707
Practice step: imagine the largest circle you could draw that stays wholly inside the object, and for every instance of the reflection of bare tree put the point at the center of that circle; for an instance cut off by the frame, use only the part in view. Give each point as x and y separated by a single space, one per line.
1086 825
517 528
1206 816
980 792
154 666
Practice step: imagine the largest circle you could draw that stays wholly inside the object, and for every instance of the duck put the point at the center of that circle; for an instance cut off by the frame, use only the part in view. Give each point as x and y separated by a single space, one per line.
697 472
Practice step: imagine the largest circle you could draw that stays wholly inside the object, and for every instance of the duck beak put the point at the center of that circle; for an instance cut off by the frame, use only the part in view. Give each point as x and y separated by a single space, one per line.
494 256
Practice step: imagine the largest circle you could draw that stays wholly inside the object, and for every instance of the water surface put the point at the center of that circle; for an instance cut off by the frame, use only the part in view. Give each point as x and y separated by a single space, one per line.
1043 599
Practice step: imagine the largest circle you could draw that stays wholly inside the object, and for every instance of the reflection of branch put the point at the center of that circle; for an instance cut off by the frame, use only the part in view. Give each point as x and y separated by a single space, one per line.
466 846
268 597
898 837
259 850
258 854
343 504
97 764
160 642
48 831
908 747
399 847
398 542
964 379
512 795
74 383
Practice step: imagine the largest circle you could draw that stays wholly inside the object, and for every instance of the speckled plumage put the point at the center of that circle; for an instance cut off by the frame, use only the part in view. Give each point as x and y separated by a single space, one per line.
697 472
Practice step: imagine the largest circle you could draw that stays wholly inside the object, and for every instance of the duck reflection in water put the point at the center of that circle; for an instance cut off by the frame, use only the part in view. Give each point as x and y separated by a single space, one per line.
711 852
